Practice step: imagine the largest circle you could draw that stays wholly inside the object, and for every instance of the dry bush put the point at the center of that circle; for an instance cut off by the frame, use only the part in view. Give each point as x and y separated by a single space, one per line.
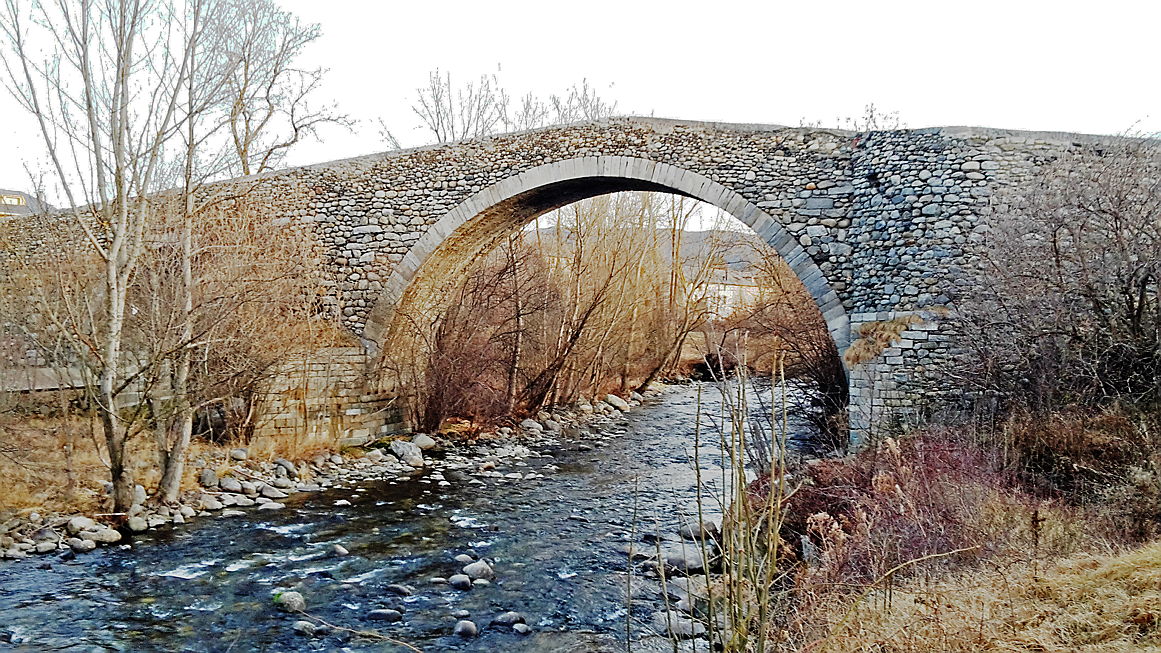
863 521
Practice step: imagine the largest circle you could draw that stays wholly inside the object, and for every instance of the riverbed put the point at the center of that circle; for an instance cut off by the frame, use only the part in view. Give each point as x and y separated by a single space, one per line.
556 542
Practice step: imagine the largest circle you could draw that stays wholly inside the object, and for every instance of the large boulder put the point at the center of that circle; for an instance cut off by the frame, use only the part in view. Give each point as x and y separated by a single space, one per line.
423 441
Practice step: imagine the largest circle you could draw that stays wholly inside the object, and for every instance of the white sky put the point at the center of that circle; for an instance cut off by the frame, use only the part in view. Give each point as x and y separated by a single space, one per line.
1069 66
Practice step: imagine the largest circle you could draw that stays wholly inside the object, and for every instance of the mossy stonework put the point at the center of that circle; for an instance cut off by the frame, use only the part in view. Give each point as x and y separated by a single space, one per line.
876 225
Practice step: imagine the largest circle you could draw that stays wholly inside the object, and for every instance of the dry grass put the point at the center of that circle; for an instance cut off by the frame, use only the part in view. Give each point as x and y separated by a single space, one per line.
1084 603
59 464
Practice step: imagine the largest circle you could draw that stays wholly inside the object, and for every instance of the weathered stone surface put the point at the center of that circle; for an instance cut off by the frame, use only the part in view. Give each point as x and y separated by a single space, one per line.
877 225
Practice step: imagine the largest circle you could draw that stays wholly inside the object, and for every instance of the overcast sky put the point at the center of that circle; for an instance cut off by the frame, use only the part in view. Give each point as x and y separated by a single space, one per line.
1083 66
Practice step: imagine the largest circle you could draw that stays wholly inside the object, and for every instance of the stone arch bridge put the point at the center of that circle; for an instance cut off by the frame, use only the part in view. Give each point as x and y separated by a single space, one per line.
876 225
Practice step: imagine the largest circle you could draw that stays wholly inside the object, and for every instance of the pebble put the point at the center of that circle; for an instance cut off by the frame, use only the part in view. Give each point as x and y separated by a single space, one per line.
460 582
401 590
305 628
339 550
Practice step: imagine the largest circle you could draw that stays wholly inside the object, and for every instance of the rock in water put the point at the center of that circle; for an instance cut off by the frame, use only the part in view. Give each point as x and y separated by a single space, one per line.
385 614
138 524
291 601
531 425
617 402
305 628
479 569
423 441
465 629
508 619
460 582
698 530
339 550
523 629
678 624
401 590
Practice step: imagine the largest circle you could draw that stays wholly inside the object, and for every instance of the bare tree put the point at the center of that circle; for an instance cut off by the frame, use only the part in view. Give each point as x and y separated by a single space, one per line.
482 107
1068 305
271 99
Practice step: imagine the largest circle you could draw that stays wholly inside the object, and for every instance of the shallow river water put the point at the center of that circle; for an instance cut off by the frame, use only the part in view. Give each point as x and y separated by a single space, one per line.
556 543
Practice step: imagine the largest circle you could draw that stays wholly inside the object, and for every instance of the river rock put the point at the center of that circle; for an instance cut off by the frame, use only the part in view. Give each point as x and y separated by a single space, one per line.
208 502
385 614
522 629
102 535
271 492
80 523
423 441
401 590
508 619
186 511
466 629
531 425
45 547
232 513
305 628
139 495
339 550
460 582
239 454
696 530
635 396
553 425
479 569
272 505
678 624
291 470
230 484
208 478
291 601
79 545
408 452
375 455
283 483
137 524
617 402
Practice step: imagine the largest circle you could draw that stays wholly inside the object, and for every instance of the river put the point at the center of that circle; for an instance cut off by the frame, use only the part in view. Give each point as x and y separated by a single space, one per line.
556 542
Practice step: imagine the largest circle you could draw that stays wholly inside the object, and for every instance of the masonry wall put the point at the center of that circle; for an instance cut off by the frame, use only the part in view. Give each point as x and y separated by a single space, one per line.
326 395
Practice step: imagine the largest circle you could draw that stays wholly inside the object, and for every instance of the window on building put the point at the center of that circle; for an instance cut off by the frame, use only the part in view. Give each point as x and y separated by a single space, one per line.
13 200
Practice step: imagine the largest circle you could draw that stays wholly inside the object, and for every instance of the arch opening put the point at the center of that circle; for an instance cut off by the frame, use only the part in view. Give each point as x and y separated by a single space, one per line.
482 223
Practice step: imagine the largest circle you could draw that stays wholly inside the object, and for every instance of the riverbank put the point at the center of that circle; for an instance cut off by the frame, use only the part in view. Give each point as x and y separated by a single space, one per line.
234 479
554 525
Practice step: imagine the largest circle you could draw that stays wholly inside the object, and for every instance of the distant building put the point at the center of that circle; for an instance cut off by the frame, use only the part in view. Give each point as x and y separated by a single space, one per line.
728 293
15 203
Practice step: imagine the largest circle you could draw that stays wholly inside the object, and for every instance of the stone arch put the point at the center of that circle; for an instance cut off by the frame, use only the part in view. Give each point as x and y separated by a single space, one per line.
479 222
